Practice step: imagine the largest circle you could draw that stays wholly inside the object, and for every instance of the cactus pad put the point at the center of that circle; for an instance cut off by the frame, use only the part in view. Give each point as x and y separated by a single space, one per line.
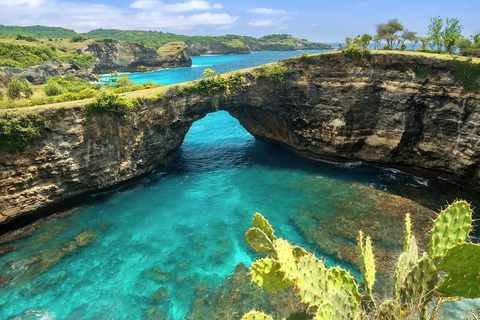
451 227
405 262
266 274
312 281
325 312
261 223
419 283
343 292
258 240
464 258
366 262
299 252
389 310
466 285
256 315
284 251
408 232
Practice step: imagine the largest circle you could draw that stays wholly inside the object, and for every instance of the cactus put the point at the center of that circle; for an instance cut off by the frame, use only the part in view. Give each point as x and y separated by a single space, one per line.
463 264
344 292
261 223
299 252
405 262
258 240
266 274
256 315
325 311
466 285
389 310
463 258
408 232
419 283
312 281
451 227
284 251
366 262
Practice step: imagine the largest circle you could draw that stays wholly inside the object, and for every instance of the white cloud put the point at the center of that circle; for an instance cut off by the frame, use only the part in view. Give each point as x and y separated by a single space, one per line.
267 22
142 14
217 6
188 6
32 3
267 11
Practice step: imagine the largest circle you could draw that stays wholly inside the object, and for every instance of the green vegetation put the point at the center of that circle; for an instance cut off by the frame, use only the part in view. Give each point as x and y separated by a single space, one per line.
156 39
110 102
36 31
211 84
60 85
22 56
17 129
25 37
79 38
467 73
17 89
332 293
356 53
275 71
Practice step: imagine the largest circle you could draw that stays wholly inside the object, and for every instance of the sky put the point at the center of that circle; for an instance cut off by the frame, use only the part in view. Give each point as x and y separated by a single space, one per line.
327 21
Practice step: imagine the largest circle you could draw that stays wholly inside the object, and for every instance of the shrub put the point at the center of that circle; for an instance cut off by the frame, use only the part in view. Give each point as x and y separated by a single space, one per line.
110 102
1 95
123 81
53 88
79 38
470 52
17 129
211 85
356 53
17 89
149 85
467 73
274 71
70 84
25 37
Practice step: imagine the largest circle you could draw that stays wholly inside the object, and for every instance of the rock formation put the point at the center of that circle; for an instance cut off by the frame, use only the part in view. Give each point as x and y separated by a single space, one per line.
114 55
393 109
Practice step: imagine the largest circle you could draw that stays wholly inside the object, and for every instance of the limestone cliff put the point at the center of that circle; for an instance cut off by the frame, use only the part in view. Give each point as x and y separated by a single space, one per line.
392 109
114 55
205 48
39 74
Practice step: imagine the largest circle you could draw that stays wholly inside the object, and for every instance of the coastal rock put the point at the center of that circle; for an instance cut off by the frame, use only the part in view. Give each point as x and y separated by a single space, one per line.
205 48
39 74
114 55
394 110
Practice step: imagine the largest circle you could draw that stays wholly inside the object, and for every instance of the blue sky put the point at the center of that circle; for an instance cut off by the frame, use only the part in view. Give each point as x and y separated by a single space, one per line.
315 20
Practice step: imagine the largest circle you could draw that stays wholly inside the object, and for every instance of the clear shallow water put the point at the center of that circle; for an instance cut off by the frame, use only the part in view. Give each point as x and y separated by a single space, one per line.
154 243
219 63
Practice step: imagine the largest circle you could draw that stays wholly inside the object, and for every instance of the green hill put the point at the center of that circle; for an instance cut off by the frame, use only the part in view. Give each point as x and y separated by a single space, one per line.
36 31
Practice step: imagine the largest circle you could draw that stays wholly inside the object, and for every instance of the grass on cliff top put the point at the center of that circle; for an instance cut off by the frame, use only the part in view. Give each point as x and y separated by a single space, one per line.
172 48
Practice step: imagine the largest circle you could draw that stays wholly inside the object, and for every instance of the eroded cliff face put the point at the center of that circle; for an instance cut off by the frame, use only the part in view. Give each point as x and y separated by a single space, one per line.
395 109
206 48
132 57
40 74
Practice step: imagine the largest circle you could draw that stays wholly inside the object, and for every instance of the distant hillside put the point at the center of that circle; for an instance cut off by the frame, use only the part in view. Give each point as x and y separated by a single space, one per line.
36 31
156 39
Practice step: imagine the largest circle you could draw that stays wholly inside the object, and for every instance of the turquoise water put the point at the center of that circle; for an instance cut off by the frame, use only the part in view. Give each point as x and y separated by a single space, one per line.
153 242
219 63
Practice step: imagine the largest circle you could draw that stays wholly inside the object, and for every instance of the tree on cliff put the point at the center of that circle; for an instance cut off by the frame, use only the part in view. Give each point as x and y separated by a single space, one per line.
451 34
388 30
434 32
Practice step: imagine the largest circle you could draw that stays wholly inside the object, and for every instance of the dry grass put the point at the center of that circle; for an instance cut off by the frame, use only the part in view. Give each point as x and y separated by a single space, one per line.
172 48
57 42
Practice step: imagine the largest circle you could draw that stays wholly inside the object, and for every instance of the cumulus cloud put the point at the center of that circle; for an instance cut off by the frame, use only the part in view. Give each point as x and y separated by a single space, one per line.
267 11
141 14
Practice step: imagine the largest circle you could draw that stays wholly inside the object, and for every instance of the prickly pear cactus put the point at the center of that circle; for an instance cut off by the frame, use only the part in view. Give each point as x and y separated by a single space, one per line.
366 262
404 265
463 264
258 240
389 310
266 274
299 252
451 227
343 292
325 311
256 315
408 232
284 252
419 283
463 258
261 223
312 281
